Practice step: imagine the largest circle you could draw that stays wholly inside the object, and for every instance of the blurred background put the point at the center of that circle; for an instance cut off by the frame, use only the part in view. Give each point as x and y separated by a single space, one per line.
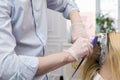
102 15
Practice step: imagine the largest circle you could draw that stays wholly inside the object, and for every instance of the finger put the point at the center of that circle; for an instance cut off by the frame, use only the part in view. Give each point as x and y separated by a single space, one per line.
89 47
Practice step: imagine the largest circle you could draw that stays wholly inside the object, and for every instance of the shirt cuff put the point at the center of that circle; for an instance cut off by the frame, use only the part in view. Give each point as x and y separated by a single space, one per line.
29 66
71 5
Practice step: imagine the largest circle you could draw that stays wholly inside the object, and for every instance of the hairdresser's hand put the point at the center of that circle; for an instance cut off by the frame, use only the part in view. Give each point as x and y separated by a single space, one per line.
81 47
78 30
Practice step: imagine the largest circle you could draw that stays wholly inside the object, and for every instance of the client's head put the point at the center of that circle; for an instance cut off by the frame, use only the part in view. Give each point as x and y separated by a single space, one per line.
105 53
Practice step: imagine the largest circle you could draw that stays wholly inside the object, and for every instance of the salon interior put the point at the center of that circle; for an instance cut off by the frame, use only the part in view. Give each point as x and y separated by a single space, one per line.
92 13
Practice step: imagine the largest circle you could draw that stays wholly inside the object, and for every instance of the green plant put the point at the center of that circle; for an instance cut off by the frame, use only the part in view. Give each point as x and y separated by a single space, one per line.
104 23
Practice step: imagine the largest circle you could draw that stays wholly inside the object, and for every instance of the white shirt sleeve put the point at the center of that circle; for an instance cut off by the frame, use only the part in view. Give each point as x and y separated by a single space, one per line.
12 67
64 6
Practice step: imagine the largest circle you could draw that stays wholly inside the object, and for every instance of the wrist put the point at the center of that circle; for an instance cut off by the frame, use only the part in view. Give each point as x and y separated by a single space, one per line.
77 25
68 58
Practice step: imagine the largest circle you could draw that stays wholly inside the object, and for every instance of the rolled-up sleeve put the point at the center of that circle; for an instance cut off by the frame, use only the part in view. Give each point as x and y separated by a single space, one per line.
12 67
64 6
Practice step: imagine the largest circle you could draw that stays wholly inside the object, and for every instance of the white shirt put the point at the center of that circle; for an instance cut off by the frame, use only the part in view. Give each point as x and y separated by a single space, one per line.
23 34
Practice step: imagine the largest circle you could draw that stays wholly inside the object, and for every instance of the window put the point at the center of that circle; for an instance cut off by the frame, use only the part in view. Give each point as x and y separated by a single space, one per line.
110 7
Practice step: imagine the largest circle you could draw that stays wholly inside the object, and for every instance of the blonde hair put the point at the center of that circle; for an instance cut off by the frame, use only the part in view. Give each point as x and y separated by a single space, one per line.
112 59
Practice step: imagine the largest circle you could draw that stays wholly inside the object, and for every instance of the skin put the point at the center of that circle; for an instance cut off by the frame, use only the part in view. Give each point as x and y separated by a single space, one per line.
104 72
54 61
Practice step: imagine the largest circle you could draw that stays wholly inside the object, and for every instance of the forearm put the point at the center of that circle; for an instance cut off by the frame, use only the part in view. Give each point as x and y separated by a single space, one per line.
75 17
52 62
77 26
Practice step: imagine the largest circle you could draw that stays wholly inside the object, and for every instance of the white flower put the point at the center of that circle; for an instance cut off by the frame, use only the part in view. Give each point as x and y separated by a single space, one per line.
100 36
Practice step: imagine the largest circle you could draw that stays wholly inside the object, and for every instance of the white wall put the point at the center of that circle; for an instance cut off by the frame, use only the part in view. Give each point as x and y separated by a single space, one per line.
56 38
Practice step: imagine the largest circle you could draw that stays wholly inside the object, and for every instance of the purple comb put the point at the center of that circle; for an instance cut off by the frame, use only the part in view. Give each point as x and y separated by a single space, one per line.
94 42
